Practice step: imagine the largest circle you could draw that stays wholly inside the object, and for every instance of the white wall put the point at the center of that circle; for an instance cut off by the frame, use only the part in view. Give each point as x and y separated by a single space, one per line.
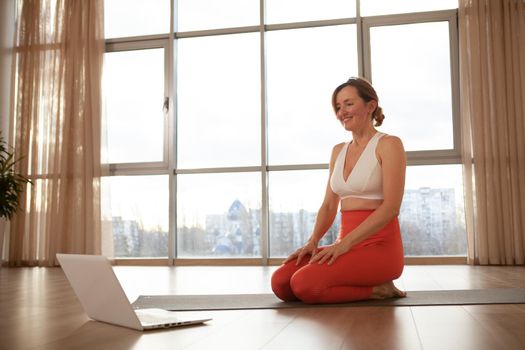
7 28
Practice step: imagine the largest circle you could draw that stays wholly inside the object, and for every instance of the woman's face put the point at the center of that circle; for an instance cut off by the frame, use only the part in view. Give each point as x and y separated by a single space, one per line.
351 110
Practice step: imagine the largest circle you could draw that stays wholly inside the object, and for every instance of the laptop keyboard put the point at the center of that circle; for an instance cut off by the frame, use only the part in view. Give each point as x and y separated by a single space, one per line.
154 319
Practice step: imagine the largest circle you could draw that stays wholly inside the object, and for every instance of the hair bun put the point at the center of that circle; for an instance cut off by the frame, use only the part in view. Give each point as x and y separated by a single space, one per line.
378 116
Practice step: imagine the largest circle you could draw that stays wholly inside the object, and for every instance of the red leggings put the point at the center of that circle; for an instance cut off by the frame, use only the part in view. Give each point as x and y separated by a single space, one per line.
352 276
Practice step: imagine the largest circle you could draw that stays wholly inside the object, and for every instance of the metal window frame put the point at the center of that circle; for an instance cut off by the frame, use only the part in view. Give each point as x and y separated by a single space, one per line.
426 157
169 164
147 43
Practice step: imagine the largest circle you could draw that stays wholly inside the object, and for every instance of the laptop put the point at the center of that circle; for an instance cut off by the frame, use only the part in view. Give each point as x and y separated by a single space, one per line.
103 298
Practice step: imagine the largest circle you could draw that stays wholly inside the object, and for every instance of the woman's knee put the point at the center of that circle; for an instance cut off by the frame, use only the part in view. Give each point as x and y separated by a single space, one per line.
278 279
280 283
305 288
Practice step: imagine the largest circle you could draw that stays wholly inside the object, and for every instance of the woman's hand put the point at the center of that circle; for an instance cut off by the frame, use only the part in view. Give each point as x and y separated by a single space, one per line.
309 248
331 252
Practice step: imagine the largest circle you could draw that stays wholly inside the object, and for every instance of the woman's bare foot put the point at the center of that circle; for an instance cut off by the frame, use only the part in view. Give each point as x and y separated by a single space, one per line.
387 290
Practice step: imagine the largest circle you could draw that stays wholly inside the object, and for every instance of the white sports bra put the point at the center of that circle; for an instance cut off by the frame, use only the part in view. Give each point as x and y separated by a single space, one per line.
365 180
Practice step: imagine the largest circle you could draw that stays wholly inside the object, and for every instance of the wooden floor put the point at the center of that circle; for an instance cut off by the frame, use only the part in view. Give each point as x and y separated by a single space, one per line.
38 310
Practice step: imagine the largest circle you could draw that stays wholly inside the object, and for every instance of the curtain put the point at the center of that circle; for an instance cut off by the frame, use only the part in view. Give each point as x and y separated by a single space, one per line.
56 118
492 65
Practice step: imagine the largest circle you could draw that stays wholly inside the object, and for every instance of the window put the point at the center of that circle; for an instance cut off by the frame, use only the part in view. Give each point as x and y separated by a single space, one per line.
212 14
124 18
219 215
134 91
284 11
415 83
388 7
135 211
432 216
218 102
295 197
218 135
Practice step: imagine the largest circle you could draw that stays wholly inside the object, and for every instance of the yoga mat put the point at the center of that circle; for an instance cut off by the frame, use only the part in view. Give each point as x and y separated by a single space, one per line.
270 301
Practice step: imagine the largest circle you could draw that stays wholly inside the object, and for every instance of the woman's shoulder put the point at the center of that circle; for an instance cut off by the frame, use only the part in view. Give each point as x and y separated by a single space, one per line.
389 140
337 148
390 143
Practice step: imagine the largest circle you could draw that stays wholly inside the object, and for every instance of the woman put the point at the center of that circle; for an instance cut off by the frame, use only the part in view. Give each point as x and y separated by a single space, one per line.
367 177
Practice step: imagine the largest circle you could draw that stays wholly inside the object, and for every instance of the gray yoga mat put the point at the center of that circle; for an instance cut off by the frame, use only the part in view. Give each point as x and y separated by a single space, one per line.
270 301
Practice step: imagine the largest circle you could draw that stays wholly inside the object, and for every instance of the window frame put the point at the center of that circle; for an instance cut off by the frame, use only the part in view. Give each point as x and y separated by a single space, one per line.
427 157
136 44
169 165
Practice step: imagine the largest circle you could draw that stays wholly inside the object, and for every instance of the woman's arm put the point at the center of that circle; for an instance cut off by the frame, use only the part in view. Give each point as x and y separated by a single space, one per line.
393 166
325 216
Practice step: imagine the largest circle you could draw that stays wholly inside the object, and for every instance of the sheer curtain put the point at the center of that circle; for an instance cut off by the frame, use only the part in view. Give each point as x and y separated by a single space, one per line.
56 128
492 55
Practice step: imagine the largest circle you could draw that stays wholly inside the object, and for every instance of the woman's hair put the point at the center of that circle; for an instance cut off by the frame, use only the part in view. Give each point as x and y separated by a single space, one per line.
366 92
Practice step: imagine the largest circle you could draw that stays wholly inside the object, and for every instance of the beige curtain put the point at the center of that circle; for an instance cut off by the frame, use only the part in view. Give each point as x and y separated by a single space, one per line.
492 56
56 127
